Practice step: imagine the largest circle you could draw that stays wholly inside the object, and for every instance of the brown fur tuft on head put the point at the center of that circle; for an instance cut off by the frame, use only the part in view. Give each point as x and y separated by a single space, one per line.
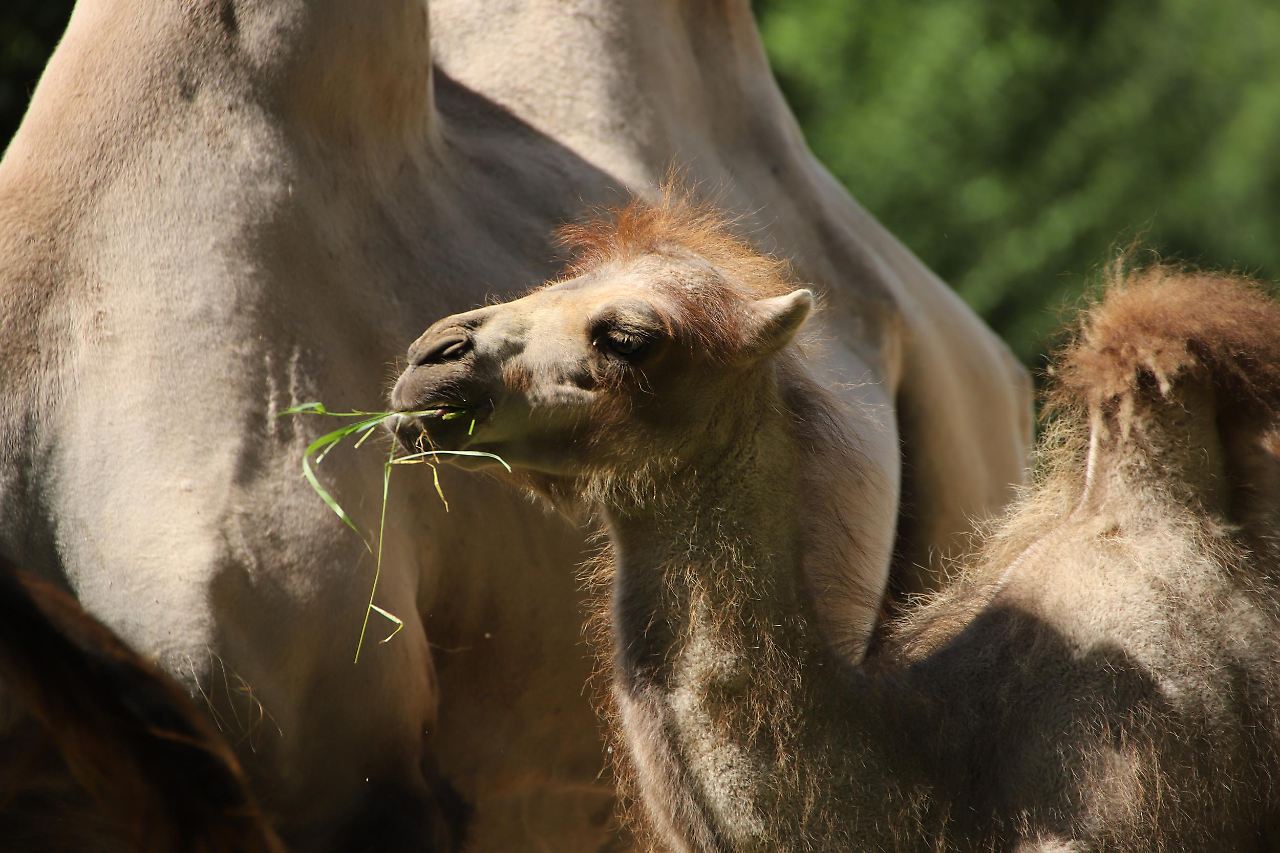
673 224
676 226
1158 324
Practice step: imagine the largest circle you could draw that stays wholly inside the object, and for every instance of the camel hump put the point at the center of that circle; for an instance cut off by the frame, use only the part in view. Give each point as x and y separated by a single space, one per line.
1177 375
157 770
1158 325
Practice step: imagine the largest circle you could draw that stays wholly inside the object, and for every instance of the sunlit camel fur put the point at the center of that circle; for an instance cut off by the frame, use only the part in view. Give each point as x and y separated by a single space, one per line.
1103 677
218 209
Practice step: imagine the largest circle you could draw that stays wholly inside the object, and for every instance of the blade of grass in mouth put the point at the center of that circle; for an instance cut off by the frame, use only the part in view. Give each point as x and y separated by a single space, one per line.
363 424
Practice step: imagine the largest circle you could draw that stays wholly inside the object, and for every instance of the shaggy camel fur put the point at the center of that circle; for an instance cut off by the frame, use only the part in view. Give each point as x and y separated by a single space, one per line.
1102 678
160 778
216 209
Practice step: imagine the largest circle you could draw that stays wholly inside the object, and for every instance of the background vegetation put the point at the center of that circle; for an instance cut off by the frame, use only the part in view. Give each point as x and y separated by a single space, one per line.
1013 146
28 31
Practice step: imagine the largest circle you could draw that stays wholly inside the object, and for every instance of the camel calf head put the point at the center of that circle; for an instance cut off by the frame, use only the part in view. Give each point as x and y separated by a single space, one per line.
650 338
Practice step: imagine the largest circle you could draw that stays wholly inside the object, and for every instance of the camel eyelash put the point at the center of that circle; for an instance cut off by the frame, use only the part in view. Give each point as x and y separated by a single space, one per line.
620 342
621 339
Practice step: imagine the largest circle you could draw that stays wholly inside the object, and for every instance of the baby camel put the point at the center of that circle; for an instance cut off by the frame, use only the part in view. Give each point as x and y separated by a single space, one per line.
1103 677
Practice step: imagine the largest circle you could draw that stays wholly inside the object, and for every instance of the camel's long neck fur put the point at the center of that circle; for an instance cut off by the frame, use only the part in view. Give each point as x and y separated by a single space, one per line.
729 691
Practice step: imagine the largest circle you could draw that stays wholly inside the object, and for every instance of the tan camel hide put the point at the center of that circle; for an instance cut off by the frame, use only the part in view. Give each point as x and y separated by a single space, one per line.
215 210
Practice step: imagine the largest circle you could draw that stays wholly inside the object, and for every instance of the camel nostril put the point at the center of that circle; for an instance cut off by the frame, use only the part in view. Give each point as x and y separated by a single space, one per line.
445 348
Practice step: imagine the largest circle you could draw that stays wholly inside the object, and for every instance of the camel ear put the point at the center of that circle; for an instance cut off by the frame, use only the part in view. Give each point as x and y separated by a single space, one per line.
778 318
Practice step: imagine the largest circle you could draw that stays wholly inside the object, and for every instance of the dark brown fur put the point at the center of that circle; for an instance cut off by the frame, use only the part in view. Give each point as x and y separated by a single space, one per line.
162 779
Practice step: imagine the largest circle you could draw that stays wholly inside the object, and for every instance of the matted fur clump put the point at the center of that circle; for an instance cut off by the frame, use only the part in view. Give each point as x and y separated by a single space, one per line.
1159 323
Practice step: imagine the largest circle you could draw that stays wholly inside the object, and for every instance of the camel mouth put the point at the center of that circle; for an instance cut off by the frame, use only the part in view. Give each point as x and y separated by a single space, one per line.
440 425
443 411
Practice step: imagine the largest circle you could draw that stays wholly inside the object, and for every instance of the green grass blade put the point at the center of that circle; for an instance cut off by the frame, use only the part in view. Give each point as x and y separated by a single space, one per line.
319 448
414 458
377 563
316 408
330 441
329 500
399 623
313 408
435 478
368 430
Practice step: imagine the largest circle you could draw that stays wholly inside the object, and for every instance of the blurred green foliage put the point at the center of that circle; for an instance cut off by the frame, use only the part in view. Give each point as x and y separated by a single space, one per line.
1013 146
29 29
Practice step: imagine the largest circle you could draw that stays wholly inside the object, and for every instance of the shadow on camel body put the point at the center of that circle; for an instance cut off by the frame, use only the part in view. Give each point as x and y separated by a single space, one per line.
118 758
1102 676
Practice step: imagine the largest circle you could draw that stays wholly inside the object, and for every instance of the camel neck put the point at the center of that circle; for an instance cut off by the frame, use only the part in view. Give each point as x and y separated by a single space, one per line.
731 699
719 555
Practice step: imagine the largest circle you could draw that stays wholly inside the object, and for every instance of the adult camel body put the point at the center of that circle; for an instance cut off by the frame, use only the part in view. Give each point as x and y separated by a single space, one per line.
1104 677
214 210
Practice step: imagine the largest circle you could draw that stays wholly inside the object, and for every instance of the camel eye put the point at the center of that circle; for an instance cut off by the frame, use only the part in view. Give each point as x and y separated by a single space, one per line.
622 343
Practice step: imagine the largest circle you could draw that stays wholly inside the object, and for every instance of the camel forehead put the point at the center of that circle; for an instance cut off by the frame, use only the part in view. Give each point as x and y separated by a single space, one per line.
649 275
623 292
